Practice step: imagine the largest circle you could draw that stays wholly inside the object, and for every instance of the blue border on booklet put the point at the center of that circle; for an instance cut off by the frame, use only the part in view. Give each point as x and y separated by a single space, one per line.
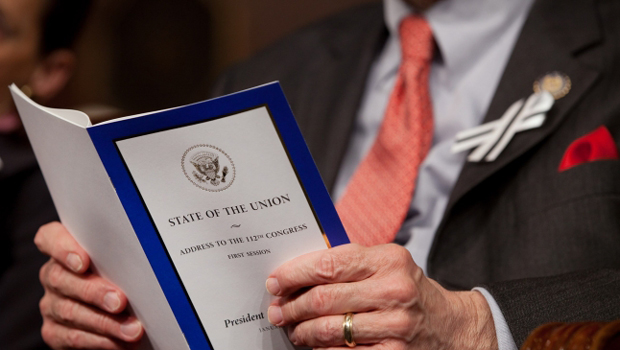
271 95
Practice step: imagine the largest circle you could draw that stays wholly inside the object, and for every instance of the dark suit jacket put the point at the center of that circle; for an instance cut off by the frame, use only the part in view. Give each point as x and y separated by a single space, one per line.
25 205
545 243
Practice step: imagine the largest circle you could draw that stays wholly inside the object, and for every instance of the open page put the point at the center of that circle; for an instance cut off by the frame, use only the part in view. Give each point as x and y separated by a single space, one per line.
89 208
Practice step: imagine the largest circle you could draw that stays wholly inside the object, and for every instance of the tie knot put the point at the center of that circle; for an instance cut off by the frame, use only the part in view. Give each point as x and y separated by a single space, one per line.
416 38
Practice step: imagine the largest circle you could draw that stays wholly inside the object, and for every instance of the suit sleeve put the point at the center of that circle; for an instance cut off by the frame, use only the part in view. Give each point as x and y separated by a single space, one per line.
580 296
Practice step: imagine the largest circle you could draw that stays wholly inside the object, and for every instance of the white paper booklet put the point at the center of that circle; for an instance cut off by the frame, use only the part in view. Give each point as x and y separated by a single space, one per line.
189 209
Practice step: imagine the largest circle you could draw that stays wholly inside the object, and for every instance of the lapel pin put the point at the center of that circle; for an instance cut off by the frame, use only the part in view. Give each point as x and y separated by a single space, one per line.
490 139
556 83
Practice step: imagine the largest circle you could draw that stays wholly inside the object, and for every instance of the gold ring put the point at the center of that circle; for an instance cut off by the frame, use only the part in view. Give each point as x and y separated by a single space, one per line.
347 326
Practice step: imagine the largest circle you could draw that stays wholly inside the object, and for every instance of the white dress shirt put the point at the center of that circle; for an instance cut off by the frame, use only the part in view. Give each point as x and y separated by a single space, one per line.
475 39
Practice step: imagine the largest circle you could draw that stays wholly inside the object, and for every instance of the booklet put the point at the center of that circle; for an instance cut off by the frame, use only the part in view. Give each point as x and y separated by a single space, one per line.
189 209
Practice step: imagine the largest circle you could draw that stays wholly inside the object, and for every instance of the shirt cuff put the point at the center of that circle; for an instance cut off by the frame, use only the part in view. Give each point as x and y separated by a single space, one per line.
505 341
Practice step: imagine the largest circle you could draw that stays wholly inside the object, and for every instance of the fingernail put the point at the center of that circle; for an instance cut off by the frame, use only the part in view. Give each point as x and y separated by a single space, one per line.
111 301
131 329
74 262
273 287
293 339
274 314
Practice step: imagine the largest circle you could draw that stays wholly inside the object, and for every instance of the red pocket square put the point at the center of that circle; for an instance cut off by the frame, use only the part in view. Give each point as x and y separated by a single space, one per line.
597 145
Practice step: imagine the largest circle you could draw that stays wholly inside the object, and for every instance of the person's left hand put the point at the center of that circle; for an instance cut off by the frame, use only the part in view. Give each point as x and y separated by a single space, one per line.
395 305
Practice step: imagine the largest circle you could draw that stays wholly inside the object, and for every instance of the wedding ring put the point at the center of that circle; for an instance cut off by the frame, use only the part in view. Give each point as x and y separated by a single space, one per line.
347 326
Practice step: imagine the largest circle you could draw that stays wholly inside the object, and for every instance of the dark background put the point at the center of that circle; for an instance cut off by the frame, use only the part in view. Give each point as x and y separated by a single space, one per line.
140 55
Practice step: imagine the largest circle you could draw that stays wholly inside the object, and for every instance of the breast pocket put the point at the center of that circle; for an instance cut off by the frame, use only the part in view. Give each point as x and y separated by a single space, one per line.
574 223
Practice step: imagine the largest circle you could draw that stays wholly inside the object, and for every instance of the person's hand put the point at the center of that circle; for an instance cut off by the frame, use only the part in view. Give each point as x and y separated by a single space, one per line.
80 309
395 306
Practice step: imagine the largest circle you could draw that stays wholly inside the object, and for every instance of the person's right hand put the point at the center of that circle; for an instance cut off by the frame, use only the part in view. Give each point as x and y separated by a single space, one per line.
80 309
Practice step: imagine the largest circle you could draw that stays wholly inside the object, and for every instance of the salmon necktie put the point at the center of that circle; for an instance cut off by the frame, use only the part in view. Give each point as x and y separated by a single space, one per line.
376 200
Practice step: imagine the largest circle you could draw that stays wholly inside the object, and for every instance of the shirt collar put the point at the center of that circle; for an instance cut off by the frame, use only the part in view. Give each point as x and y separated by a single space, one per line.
462 28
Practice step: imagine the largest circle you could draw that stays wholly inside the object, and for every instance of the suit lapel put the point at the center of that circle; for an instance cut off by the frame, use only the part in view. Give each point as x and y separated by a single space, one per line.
554 33
337 88
538 51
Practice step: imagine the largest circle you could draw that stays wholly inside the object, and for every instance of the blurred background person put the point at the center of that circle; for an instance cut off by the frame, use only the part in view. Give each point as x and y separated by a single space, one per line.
36 39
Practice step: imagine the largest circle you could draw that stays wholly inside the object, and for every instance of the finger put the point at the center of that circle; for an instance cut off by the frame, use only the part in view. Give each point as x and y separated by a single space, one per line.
59 336
74 314
382 346
368 328
54 240
88 288
346 263
330 299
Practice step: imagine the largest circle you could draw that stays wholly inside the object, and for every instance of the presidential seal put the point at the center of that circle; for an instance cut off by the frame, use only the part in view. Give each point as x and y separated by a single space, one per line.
208 167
